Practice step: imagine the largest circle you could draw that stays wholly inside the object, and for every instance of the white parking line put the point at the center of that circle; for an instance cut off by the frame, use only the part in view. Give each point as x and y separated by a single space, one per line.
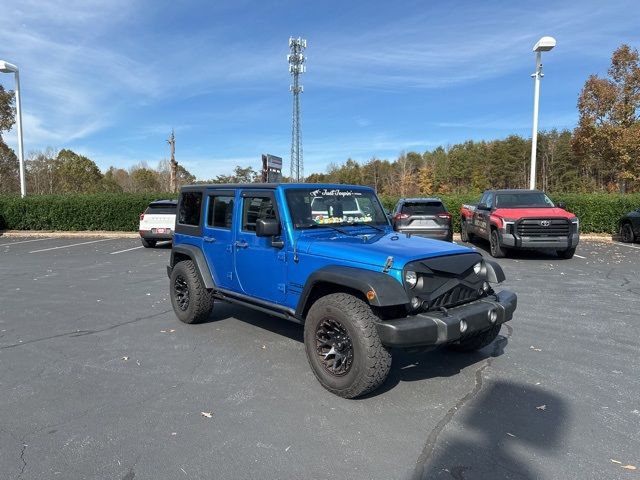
579 256
72 245
127 250
626 245
23 241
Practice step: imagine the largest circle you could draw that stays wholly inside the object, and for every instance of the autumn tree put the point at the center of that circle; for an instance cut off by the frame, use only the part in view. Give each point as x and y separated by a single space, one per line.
608 131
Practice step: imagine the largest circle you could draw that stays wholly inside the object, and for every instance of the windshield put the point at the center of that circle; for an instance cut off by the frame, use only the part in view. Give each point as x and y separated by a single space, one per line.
514 200
314 207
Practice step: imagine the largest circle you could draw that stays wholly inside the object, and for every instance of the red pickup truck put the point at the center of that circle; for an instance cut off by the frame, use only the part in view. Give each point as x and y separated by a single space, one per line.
522 219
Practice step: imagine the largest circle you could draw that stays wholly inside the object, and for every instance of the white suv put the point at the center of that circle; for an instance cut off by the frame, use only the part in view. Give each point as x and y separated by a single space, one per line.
157 222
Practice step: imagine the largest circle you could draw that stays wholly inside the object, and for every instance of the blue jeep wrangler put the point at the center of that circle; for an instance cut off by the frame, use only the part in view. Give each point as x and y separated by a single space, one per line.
325 256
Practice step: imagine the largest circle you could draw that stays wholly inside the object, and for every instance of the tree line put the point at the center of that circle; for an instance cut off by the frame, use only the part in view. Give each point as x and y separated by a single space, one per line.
602 154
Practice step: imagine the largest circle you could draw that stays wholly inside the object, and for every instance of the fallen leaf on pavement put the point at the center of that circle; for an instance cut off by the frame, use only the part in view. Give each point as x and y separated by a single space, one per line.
264 347
541 407
125 358
535 349
207 414
629 467
511 434
616 461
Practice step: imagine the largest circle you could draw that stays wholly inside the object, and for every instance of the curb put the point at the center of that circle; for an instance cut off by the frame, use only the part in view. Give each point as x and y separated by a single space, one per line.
58 234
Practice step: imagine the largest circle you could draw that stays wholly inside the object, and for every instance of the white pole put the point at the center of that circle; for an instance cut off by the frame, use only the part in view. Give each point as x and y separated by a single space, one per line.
23 186
534 134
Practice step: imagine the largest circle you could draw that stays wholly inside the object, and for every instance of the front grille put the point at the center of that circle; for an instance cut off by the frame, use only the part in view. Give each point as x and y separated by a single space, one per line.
552 227
456 296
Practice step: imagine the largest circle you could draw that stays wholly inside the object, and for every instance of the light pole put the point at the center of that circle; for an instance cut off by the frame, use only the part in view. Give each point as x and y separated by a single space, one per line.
6 67
543 45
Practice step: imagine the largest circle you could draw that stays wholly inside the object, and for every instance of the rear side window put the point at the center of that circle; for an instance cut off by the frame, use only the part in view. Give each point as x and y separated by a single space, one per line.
161 209
254 208
423 208
220 213
190 204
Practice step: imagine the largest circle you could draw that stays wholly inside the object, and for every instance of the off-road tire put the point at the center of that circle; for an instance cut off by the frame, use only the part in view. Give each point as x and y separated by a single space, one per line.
371 360
496 250
477 341
626 233
146 243
465 236
199 299
566 254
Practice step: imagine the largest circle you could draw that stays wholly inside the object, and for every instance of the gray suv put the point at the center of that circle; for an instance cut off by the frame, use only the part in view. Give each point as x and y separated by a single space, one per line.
426 217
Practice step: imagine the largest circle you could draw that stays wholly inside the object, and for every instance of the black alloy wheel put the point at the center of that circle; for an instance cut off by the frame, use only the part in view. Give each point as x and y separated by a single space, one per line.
181 292
334 347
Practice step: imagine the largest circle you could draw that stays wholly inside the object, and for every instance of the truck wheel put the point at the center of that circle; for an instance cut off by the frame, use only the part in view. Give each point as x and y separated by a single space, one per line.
191 301
494 243
567 254
147 243
343 347
477 341
626 232
465 236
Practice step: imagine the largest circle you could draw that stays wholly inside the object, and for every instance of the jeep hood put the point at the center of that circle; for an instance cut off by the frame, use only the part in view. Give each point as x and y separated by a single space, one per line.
373 249
518 213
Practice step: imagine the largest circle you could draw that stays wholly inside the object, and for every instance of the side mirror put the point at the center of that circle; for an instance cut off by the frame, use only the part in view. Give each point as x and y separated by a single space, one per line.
482 206
267 227
561 205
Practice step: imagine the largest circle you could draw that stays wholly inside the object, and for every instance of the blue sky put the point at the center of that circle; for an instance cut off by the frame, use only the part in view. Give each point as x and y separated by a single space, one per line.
111 78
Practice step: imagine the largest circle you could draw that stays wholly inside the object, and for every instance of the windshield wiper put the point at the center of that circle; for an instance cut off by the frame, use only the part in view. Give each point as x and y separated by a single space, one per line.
368 225
318 225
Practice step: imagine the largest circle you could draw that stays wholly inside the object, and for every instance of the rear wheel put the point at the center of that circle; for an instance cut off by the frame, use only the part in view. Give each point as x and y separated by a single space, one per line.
465 236
494 243
626 233
343 347
477 341
567 254
146 243
191 301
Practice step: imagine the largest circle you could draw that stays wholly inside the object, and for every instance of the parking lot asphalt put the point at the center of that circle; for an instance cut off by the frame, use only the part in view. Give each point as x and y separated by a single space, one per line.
98 379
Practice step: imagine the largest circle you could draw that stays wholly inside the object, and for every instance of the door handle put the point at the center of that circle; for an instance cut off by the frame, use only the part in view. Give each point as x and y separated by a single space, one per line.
241 244
209 239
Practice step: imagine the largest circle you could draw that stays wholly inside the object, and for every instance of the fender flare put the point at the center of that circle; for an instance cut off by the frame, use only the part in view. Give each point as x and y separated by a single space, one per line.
388 291
196 255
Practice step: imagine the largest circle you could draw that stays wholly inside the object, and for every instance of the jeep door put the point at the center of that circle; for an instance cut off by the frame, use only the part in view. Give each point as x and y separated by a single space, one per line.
217 237
260 267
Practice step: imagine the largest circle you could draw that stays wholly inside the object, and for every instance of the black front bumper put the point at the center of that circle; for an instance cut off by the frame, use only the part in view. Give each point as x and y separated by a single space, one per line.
436 328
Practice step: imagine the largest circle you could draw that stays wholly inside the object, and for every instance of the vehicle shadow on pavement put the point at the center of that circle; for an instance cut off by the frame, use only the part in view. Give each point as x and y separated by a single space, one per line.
279 326
499 435
545 254
418 366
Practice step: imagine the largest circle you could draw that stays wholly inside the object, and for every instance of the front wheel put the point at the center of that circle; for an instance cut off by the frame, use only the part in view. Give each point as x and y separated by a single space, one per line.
477 341
566 254
191 301
343 347
494 243
626 232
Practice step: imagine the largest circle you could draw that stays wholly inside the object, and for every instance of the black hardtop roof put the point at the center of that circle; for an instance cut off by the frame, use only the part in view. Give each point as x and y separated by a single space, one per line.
222 186
163 203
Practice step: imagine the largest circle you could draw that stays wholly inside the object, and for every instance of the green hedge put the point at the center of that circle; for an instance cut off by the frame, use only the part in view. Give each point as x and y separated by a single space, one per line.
115 212
598 213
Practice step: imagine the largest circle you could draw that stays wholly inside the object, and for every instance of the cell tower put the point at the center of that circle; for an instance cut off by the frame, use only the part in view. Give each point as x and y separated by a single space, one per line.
296 61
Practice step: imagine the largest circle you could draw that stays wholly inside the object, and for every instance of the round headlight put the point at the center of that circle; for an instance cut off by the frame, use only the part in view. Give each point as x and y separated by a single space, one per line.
477 267
410 278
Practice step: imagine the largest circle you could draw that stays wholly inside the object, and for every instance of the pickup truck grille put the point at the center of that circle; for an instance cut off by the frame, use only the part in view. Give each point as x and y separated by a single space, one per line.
552 227
456 296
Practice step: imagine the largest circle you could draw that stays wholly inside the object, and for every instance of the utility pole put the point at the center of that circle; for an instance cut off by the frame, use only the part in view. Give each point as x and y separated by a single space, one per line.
173 165
296 61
